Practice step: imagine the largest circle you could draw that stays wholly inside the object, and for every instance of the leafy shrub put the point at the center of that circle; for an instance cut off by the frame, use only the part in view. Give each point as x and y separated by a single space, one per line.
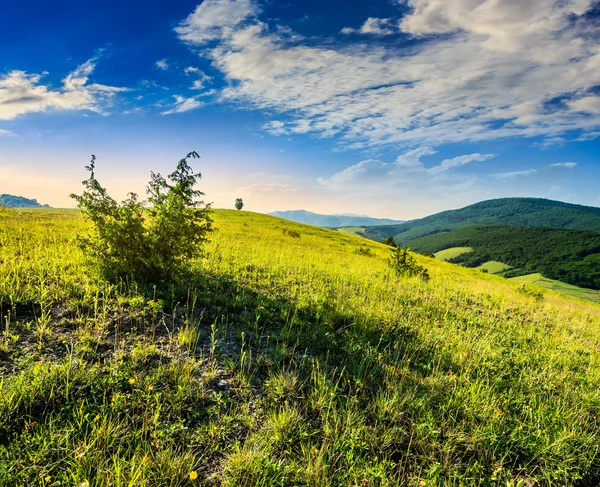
366 251
150 244
390 241
404 264
239 203
291 233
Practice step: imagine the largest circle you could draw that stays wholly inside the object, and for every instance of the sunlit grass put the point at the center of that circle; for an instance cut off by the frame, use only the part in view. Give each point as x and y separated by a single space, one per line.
448 254
296 358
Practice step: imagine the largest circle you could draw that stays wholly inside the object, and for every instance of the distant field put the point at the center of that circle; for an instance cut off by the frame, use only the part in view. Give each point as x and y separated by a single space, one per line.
560 287
352 230
448 254
493 266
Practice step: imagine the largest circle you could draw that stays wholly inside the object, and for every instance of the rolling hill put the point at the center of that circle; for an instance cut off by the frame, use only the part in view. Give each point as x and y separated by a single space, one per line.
571 256
10 201
289 356
332 221
523 212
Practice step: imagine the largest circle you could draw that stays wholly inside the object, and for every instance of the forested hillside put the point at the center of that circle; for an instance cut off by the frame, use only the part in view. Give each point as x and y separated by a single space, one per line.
523 212
10 201
570 256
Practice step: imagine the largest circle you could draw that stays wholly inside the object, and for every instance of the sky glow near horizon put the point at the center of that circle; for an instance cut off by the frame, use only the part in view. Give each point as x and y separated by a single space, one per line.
391 108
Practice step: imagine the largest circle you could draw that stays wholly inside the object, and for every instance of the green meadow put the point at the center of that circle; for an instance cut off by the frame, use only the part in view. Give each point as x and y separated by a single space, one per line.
292 356
452 252
494 266
560 287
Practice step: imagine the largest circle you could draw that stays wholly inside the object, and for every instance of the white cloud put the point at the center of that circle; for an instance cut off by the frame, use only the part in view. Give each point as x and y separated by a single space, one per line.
373 26
495 72
564 164
22 93
215 19
407 169
514 174
183 104
203 78
6 133
162 64
461 161
587 104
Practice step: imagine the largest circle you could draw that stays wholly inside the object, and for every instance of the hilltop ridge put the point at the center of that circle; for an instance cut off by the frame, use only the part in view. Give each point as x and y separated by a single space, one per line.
11 201
332 221
524 212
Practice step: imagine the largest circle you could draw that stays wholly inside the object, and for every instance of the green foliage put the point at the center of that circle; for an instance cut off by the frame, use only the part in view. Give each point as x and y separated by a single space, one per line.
404 264
239 203
291 233
366 251
150 244
390 241
571 256
523 212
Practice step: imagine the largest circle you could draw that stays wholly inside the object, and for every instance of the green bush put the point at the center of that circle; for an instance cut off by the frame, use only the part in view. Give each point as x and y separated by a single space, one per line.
291 233
390 241
404 264
153 244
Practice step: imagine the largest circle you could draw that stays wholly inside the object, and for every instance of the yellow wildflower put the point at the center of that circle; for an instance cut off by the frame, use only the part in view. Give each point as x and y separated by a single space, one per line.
131 382
193 475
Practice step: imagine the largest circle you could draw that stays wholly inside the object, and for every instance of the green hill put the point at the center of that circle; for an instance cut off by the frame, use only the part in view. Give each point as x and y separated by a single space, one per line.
522 212
10 201
571 256
291 356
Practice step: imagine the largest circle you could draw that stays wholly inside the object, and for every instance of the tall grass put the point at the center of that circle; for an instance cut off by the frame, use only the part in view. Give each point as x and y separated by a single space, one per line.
294 358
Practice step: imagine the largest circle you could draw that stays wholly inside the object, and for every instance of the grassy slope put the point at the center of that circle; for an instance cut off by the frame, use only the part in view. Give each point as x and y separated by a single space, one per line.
494 266
293 361
560 287
524 212
450 253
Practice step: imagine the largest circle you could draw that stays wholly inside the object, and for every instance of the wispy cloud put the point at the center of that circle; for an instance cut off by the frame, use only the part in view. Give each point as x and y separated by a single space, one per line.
162 64
22 93
374 26
564 164
6 133
183 104
202 77
495 71
514 174
408 168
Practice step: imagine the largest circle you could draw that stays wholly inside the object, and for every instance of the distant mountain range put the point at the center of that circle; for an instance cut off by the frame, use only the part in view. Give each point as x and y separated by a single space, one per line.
11 201
521 212
333 221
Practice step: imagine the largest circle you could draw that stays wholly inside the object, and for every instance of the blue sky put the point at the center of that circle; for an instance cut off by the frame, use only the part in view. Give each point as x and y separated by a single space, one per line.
392 108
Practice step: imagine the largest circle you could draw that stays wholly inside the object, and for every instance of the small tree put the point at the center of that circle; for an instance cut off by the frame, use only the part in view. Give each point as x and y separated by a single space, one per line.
404 264
148 245
239 204
390 241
